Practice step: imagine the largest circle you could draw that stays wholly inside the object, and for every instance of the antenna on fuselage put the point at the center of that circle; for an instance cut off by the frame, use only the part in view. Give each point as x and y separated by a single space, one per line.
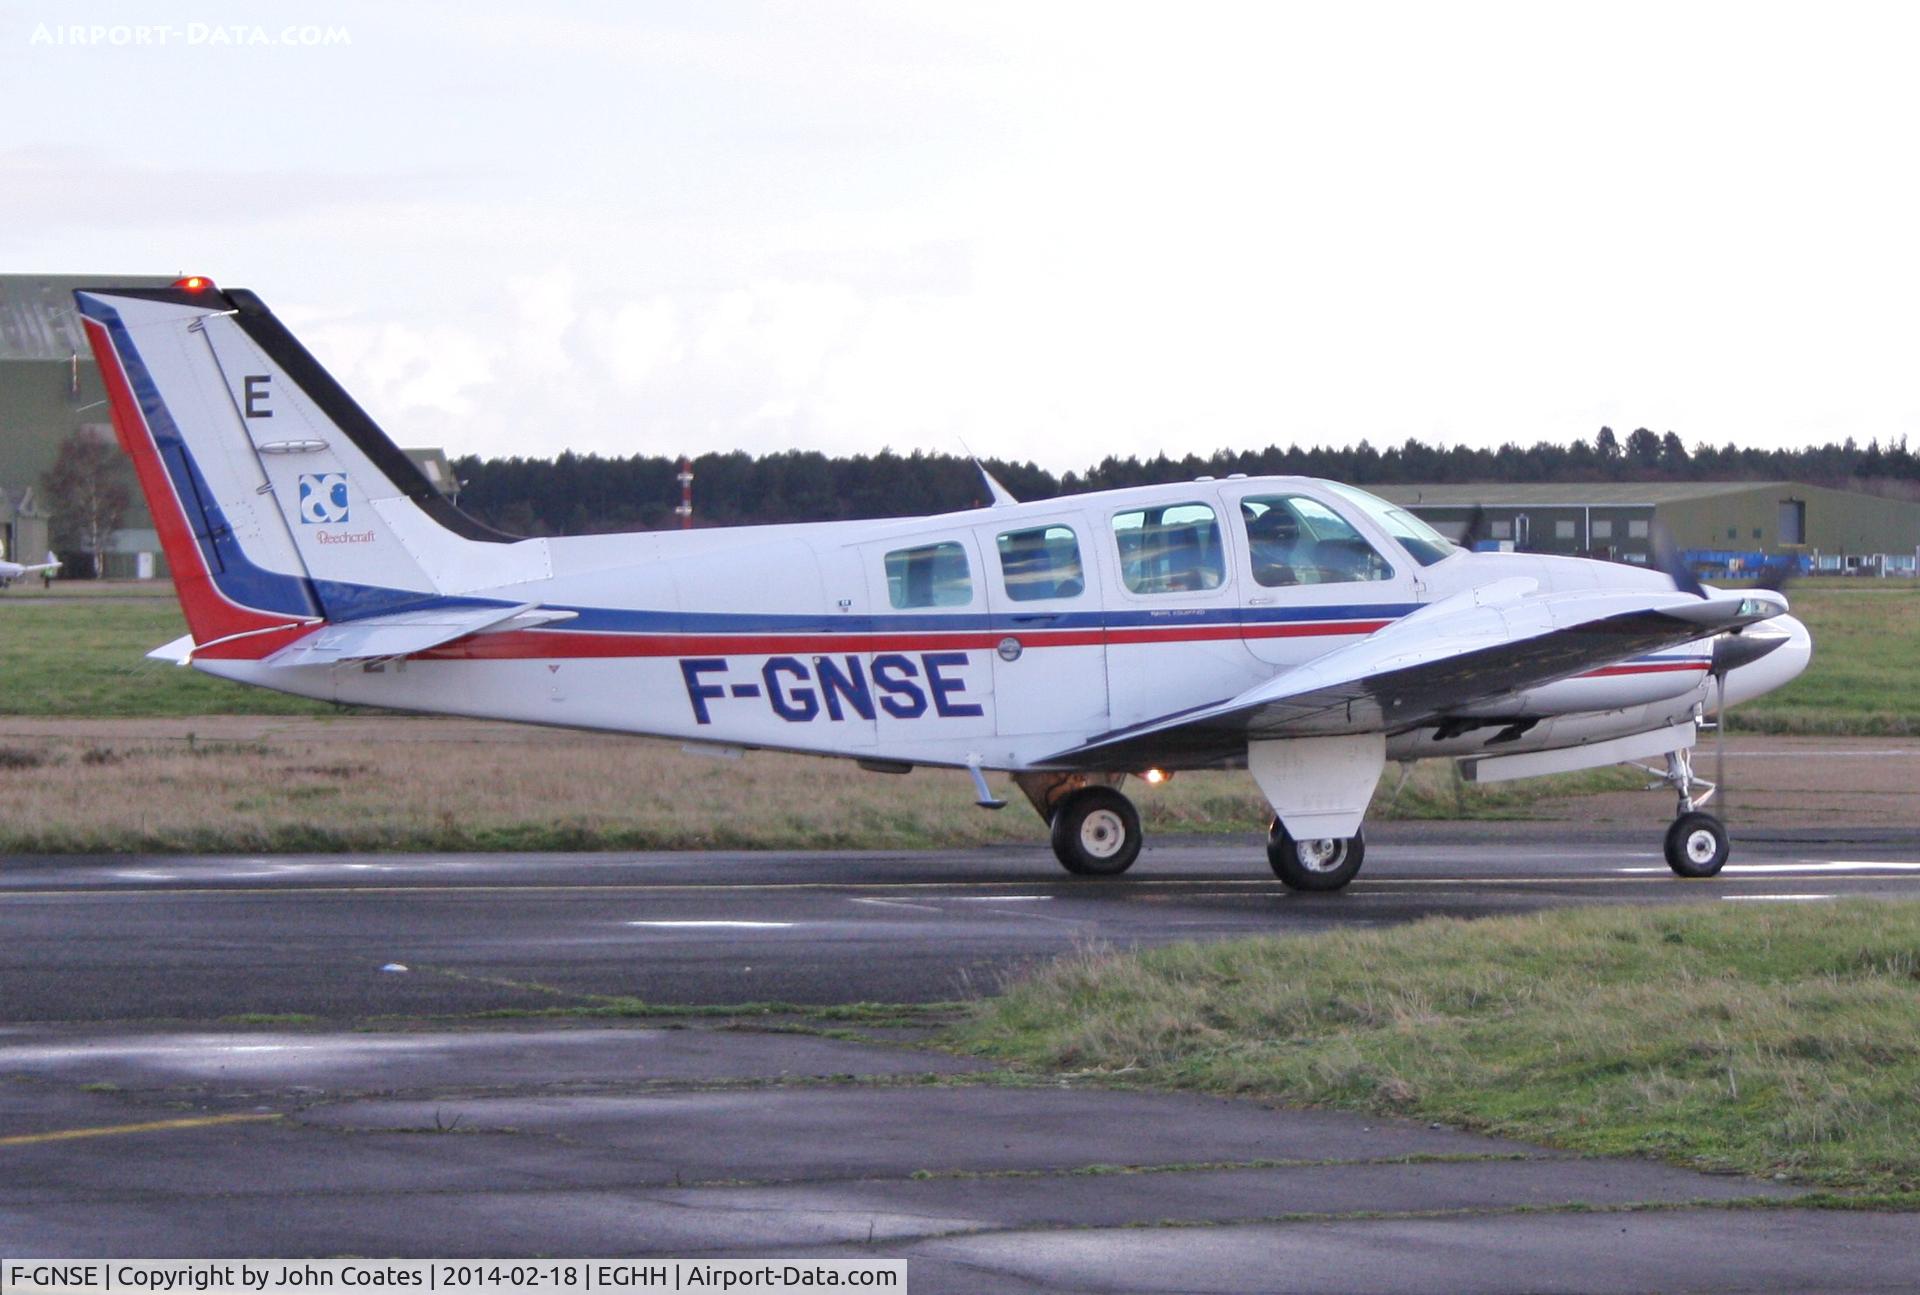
1000 495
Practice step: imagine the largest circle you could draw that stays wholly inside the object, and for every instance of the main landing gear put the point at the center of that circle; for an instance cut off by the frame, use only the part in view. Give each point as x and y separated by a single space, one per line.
1096 830
1325 864
1697 844
1096 833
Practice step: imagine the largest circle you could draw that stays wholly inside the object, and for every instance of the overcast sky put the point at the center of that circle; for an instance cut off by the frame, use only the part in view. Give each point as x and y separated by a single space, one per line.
1054 231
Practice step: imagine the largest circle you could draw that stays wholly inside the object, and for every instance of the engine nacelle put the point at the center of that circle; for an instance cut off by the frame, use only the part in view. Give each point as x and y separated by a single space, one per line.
1615 687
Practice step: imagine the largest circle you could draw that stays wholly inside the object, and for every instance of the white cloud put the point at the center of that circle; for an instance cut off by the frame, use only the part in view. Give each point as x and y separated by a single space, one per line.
1056 231
638 340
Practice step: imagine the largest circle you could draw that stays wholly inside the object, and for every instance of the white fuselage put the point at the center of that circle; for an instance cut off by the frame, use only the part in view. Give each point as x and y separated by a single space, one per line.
795 637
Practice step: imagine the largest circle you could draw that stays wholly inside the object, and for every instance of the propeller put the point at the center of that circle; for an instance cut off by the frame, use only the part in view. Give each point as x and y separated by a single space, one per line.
1475 520
1732 650
1667 555
1743 647
1776 576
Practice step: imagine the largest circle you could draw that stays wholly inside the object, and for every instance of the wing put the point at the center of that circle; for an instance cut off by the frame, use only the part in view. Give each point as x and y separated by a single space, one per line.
1472 648
379 638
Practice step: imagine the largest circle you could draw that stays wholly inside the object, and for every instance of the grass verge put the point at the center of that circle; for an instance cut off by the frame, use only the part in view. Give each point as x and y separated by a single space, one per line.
1861 679
1777 1042
73 656
383 783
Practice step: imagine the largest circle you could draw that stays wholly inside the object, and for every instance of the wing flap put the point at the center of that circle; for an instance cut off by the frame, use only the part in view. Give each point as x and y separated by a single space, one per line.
1443 659
399 634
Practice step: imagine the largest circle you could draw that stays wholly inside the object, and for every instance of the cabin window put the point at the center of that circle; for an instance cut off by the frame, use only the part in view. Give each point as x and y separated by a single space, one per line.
1422 542
933 575
1294 540
1043 562
1170 549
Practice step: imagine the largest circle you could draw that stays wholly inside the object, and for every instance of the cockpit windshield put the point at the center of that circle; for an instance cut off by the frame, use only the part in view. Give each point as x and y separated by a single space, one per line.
1426 545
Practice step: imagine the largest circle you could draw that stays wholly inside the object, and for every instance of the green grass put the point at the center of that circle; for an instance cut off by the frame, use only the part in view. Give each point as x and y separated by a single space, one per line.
397 783
1783 1041
1866 644
69 657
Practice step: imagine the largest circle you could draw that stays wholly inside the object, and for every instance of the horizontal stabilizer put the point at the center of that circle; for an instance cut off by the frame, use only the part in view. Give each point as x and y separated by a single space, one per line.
178 652
381 638
35 568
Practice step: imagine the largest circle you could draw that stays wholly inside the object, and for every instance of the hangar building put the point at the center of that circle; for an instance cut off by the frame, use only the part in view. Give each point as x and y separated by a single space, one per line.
49 388
1834 529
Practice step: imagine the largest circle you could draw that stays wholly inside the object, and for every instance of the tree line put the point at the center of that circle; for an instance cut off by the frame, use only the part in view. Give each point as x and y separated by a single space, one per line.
88 490
575 494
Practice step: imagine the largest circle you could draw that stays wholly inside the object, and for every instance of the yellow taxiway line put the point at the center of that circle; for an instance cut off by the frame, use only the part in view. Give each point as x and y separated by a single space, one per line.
113 1130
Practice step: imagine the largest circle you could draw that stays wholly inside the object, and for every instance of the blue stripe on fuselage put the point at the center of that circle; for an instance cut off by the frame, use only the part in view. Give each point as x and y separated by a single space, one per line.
233 572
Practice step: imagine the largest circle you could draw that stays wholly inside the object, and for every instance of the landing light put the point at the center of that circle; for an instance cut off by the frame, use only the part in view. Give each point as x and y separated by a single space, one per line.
1154 777
193 283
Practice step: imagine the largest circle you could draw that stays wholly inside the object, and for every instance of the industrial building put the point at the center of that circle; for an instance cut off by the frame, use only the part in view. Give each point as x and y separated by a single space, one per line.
23 526
1719 525
50 389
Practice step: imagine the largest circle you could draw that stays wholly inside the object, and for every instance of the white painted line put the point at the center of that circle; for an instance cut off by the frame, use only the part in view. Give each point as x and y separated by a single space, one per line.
1000 899
1772 898
1801 755
1837 865
895 903
731 926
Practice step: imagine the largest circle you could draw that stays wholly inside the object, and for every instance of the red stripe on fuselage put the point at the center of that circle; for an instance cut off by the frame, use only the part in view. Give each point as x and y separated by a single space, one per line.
517 645
557 645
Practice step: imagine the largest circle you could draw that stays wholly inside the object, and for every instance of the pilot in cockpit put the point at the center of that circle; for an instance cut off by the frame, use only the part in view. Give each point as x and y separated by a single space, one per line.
1273 536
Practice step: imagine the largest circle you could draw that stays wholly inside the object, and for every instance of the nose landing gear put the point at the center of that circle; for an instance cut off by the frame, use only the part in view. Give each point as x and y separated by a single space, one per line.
1696 844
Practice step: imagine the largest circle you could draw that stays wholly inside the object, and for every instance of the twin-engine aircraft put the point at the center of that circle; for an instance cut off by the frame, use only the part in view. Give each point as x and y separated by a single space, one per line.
12 571
1306 631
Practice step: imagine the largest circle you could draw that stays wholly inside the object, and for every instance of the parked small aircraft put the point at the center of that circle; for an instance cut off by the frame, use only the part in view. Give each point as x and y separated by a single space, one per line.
1302 629
12 571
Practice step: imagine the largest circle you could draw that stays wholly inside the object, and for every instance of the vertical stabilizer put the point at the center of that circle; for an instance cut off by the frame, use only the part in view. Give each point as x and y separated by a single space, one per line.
278 500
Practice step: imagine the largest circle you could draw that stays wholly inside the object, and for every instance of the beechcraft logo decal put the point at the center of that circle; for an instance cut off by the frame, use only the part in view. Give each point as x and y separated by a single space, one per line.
323 498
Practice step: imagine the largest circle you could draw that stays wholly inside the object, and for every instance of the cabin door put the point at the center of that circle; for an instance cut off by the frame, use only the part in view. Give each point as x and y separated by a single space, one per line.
1049 657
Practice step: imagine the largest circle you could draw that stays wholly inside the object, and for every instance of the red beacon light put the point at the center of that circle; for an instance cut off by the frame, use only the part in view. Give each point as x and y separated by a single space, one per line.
194 283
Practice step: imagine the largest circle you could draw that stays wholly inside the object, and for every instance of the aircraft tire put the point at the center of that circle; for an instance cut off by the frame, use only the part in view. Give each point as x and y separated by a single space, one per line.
1096 833
1697 845
1322 865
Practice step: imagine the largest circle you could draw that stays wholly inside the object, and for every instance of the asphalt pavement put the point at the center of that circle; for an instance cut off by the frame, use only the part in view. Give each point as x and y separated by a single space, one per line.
403 1055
